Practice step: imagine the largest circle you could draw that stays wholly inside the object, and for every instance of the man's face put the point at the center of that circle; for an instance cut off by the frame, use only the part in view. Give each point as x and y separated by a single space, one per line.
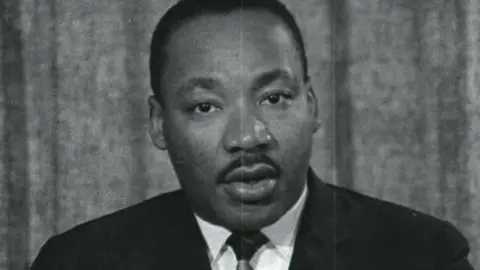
237 119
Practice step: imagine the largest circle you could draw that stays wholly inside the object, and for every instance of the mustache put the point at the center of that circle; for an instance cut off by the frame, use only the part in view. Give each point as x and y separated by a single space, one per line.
248 160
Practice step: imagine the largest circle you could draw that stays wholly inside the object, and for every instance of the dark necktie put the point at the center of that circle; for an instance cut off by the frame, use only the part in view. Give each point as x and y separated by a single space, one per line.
244 246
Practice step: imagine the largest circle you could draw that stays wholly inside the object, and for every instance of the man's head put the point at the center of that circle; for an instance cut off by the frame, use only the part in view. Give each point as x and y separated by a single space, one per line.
233 107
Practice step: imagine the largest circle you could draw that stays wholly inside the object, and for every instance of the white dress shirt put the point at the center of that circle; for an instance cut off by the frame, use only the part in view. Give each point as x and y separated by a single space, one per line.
276 254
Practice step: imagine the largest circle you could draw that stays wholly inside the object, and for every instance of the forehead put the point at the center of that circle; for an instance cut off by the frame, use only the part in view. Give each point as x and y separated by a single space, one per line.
249 21
238 41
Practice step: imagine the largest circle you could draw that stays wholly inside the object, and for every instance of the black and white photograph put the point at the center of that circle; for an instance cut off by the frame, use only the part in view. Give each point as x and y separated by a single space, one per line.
240 134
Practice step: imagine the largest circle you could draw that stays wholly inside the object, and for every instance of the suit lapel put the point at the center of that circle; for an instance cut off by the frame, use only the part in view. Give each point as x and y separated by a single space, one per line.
324 227
177 243
190 249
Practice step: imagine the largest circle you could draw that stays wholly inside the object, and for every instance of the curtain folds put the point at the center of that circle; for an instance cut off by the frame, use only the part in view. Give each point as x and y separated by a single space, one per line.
398 86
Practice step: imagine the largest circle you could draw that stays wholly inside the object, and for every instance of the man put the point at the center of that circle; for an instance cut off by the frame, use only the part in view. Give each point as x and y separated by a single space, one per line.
234 108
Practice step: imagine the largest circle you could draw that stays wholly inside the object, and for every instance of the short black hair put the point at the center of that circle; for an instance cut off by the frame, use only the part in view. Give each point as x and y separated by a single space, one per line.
188 9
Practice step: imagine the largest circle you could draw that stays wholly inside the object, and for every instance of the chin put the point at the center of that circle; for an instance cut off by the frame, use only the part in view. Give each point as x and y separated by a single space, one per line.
250 219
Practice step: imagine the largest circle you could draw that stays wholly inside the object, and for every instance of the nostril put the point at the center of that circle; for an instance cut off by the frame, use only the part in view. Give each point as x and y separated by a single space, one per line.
247 134
250 148
235 149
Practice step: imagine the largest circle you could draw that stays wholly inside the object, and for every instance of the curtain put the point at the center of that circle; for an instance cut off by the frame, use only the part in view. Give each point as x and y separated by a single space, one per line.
397 81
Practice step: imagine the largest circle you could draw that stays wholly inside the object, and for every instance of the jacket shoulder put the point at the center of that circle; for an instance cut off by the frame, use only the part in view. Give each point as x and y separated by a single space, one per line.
115 233
382 226
385 210
154 210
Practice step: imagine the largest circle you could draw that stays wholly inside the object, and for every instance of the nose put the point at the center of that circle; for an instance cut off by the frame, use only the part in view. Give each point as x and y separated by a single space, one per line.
246 132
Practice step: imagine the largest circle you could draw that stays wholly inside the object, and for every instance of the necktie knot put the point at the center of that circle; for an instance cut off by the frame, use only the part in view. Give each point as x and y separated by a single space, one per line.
244 245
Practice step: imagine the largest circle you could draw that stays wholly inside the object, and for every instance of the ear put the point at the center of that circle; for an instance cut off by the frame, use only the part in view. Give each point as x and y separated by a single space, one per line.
155 128
313 106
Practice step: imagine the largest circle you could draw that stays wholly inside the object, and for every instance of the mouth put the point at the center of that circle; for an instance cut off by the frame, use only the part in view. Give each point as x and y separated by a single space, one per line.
251 184
253 173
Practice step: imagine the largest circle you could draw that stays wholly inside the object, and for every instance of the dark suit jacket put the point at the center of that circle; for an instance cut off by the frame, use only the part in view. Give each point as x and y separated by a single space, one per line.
339 229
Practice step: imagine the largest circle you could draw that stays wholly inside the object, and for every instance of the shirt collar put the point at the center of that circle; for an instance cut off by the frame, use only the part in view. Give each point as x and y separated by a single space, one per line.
214 235
281 233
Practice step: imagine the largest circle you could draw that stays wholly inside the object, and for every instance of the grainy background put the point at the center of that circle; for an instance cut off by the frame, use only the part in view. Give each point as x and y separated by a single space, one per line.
398 82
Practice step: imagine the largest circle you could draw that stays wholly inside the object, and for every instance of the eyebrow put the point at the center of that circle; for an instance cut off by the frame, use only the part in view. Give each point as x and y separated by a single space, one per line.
198 82
270 76
261 80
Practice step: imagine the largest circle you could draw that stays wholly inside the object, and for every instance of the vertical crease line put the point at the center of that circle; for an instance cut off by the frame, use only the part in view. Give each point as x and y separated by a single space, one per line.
344 152
241 119
332 16
15 137
460 82
139 180
55 144
419 77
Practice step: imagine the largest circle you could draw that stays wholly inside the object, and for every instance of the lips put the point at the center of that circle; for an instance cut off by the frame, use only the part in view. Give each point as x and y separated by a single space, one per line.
251 173
251 184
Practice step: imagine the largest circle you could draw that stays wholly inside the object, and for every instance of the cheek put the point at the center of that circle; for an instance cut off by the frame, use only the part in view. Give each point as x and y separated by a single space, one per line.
295 140
294 136
194 150
293 127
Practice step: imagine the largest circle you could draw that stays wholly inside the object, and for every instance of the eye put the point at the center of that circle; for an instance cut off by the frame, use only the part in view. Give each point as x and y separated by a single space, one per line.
204 108
274 99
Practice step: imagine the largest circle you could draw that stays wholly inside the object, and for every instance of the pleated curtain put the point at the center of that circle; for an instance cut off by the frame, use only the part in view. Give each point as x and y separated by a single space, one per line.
398 85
